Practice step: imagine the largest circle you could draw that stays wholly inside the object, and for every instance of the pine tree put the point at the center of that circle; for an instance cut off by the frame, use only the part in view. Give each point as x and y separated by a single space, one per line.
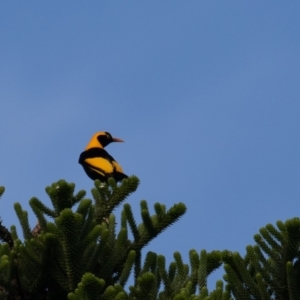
75 250
271 268
78 251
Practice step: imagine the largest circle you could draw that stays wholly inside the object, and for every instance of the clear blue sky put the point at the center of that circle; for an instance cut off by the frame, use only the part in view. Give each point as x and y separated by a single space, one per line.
205 94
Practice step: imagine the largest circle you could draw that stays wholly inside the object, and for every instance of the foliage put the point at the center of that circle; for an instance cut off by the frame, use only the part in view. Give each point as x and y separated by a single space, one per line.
75 251
271 268
75 243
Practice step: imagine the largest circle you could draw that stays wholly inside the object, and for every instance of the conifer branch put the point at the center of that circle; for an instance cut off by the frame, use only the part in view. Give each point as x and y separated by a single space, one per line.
80 254
153 226
23 218
5 235
109 195
270 268
40 209
89 288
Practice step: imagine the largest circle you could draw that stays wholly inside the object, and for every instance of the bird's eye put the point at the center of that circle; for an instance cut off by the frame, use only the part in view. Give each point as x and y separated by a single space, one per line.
108 136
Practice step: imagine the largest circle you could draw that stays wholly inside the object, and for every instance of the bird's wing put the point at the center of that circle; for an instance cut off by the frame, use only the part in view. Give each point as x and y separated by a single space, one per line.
117 167
99 164
99 161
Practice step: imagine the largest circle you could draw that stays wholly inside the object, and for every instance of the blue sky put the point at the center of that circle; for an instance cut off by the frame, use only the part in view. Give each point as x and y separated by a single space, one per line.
204 93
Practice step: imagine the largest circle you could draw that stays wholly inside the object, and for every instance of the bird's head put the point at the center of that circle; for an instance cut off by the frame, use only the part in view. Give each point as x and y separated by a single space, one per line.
101 140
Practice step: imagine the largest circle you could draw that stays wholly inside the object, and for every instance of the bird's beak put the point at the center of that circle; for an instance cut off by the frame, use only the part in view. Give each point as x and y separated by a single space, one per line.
117 140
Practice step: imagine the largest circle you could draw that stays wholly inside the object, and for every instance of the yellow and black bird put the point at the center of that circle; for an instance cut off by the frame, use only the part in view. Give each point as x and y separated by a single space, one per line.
97 163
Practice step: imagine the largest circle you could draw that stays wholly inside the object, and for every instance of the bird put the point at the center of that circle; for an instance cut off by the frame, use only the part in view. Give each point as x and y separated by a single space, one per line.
96 161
